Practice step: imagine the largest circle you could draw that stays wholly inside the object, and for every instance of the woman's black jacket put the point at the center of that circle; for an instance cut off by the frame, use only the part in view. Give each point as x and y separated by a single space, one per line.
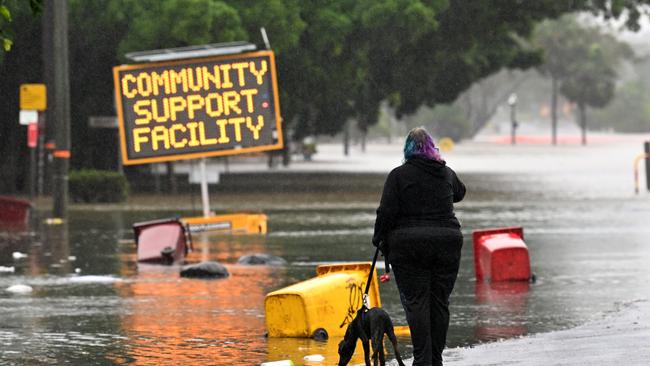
420 192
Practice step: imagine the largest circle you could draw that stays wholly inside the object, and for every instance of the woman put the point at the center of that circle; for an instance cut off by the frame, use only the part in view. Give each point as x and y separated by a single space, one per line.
417 227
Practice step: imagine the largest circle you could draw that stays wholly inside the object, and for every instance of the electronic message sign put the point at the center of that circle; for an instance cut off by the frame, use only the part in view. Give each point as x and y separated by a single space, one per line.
194 108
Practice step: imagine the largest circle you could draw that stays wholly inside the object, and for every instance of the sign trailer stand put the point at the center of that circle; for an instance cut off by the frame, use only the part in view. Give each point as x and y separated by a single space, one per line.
205 195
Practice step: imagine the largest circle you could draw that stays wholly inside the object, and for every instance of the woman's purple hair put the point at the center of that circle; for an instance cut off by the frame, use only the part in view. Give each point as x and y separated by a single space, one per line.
420 143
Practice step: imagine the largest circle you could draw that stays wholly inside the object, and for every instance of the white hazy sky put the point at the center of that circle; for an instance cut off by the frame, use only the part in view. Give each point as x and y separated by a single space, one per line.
639 40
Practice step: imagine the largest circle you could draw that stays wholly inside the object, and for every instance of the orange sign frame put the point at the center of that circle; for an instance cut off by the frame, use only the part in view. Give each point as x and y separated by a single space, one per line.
119 96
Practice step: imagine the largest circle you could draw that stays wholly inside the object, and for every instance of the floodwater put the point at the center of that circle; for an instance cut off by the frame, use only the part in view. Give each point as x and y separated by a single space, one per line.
92 304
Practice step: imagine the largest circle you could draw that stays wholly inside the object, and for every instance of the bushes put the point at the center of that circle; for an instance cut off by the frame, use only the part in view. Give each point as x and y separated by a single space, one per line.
443 121
98 186
629 112
449 121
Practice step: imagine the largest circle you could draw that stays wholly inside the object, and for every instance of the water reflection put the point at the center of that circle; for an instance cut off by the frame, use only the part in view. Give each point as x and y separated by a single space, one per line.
51 254
15 227
501 310
296 349
189 321
587 241
14 214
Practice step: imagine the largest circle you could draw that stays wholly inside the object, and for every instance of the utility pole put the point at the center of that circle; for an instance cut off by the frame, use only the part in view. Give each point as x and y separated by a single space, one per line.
554 110
346 138
512 102
56 13
47 133
646 147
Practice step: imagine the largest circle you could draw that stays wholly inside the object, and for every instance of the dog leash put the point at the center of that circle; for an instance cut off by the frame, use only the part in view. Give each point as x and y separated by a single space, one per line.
384 277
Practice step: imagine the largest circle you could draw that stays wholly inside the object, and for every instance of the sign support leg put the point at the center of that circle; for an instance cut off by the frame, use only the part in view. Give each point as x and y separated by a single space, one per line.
120 167
204 188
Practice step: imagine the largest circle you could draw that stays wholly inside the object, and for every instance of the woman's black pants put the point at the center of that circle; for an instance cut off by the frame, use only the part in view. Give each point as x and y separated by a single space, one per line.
425 262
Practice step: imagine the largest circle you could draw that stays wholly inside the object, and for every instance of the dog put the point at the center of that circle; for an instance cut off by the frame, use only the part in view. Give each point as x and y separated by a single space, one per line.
369 325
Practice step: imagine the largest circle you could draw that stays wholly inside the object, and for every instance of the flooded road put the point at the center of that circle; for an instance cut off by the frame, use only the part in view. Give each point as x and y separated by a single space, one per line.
93 304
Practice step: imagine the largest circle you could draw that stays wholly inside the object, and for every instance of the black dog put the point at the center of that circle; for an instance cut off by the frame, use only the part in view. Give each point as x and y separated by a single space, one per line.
369 325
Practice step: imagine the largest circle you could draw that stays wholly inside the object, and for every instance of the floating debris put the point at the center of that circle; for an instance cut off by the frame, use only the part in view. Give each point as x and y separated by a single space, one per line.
262 259
208 269
314 358
4 269
19 255
19 289
278 363
94 279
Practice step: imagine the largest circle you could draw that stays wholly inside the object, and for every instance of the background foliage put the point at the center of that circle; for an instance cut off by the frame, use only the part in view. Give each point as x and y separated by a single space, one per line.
337 60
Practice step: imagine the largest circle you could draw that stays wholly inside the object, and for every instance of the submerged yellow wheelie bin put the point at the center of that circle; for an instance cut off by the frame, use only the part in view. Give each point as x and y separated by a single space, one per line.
323 306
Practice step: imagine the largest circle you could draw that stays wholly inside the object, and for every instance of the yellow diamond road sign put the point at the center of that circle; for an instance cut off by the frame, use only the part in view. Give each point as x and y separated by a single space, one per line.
33 96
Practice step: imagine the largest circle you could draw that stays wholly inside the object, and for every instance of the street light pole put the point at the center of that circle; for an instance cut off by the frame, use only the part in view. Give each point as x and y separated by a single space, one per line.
512 102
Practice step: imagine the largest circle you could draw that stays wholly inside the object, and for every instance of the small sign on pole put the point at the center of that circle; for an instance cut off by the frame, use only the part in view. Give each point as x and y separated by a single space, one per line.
33 96
32 135
102 122
28 117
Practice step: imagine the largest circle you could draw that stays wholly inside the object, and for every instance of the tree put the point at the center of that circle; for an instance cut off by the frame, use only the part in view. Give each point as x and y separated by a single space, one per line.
628 112
22 64
6 31
5 17
482 101
580 61
318 72
444 120
96 30
590 82
337 60
557 39
415 53
176 23
571 52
